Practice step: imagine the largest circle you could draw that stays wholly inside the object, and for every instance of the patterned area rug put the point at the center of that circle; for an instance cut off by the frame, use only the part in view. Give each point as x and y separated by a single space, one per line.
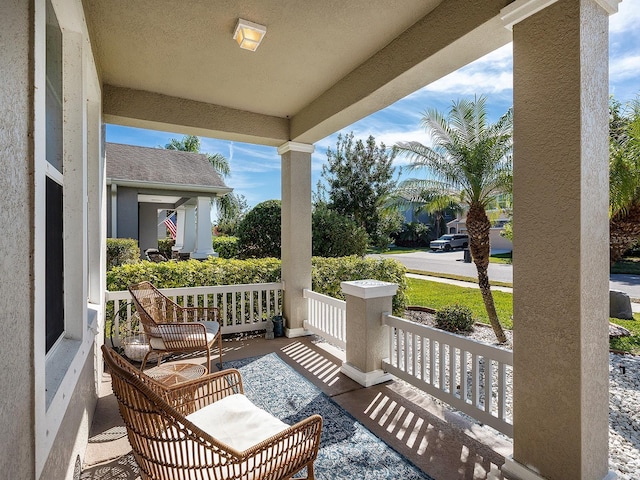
348 450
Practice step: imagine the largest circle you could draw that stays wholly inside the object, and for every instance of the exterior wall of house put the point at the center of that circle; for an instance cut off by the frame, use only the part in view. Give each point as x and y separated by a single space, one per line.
71 440
16 283
127 213
148 225
47 398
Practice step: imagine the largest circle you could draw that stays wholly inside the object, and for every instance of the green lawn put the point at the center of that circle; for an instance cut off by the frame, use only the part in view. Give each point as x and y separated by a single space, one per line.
437 295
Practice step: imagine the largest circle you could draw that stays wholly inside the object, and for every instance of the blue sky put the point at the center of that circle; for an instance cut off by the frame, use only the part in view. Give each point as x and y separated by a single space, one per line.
255 169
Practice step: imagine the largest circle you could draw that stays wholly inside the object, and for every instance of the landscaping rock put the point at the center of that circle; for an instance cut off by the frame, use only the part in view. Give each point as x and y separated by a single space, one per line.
620 305
617 331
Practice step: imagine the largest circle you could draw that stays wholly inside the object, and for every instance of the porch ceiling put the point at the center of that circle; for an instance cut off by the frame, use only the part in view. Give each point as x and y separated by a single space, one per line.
322 65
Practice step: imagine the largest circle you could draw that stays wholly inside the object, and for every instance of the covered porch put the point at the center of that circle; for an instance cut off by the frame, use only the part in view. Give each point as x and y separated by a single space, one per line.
73 65
441 443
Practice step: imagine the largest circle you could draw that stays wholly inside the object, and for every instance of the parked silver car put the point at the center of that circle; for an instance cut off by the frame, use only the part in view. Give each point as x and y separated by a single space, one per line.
450 241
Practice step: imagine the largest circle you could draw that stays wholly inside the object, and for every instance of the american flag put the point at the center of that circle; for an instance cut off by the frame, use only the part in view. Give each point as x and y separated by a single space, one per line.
170 223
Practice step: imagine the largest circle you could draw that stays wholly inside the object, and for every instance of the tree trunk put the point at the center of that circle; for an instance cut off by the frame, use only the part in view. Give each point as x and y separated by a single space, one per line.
624 229
479 226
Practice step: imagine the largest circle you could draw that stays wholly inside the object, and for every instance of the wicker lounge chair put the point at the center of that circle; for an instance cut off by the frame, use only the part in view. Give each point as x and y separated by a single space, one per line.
173 328
207 429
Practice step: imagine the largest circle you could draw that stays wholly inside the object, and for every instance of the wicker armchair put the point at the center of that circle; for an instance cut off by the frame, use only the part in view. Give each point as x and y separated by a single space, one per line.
173 430
173 328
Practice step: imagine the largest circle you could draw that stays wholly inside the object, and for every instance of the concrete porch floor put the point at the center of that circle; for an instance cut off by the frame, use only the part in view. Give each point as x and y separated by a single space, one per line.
441 443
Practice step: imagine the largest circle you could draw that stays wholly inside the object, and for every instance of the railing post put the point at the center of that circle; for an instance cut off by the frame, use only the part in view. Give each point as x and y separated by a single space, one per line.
367 338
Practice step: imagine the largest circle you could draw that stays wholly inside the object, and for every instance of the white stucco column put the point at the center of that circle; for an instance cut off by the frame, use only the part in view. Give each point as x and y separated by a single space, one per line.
561 402
296 233
367 338
204 247
189 232
180 224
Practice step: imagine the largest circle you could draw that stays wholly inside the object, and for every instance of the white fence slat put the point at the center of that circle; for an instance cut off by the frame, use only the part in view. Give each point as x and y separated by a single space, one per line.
471 376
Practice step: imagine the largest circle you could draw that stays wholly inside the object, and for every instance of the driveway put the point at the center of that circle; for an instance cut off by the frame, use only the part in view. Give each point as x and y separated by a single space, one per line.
452 263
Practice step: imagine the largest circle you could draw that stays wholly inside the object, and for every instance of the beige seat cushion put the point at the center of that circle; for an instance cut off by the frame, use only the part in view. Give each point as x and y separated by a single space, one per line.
237 422
158 344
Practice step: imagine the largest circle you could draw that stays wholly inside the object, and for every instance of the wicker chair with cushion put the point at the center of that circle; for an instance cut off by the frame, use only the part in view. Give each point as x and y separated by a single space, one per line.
207 429
173 328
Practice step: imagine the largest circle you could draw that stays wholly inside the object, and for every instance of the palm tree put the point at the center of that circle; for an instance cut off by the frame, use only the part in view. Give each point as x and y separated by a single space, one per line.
624 177
190 143
472 157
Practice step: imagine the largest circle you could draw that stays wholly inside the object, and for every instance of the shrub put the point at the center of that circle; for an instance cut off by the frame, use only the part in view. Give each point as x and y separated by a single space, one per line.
334 235
195 273
413 234
455 318
327 273
226 247
164 246
122 251
259 232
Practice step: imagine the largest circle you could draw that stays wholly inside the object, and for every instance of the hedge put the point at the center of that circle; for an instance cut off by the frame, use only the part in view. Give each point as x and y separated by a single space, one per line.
121 251
226 247
326 274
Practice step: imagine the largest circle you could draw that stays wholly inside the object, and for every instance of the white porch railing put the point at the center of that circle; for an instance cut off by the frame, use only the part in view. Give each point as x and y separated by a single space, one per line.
327 317
468 375
243 308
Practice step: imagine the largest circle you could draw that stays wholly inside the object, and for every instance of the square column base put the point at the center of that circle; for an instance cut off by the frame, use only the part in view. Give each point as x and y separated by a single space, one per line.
516 471
366 379
296 332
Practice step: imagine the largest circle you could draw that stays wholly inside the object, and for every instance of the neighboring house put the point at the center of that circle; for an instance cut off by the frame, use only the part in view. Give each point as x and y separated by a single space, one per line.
498 242
146 184
70 66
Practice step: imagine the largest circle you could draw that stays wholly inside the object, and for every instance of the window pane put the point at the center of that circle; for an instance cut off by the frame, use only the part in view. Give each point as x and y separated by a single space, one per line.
54 90
54 264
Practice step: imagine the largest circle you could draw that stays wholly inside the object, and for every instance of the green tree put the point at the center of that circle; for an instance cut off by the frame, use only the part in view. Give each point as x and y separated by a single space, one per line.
471 156
259 233
334 235
359 179
624 177
230 218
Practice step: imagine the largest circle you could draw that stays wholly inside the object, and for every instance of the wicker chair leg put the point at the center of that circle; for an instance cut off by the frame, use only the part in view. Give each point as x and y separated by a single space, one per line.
144 360
220 348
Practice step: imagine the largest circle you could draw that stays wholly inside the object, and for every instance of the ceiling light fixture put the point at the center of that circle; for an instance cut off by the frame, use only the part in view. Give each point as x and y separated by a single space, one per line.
249 34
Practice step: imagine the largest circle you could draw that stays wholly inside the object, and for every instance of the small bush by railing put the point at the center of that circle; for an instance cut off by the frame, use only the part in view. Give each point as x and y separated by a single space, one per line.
122 251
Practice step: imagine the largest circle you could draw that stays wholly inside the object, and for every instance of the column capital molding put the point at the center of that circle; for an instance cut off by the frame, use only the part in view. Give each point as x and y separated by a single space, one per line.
522 9
295 147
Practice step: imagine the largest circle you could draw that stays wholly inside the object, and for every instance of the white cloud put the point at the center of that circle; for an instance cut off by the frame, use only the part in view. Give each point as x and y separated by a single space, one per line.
627 18
622 68
492 73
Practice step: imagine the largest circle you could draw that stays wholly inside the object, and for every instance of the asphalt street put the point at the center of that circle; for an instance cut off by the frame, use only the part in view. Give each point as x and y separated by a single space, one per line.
453 263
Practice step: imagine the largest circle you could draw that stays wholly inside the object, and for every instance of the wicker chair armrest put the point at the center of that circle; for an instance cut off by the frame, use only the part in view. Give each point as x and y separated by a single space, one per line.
196 314
191 396
287 451
183 335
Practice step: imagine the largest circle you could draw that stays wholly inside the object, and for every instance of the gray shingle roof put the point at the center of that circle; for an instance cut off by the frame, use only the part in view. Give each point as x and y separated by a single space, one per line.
157 165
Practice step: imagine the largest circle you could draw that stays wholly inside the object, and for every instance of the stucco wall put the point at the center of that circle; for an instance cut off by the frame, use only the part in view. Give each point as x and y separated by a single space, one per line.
74 429
148 227
16 198
127 213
